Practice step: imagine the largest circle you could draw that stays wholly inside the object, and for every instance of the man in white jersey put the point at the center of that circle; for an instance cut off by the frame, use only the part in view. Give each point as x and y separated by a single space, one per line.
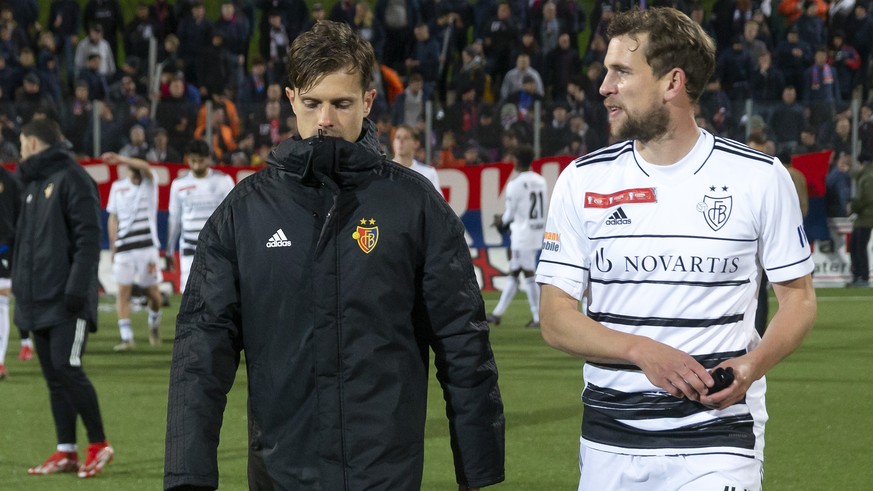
525 216
665 235
193 198
133 240
405 143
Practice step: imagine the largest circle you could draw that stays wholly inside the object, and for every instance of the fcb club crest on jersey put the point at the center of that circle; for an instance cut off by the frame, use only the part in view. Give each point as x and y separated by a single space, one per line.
366 237
716 210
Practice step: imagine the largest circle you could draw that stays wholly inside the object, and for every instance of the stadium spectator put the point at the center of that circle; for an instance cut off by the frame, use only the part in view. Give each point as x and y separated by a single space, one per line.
160 150
76 116
628 374
563 63
177 115
134 244
501 37
98 87
734 70
793 57
343 11
193 198
267 125
274 44
808 142
388 86
838 186
487 133
195 34
234 30
111 131
10 203
715 106
846 61
64 22
859 28
165 14
94 44
316 14
54 280
253 89
140 31
513 80
821 89
548 27
409 105
137 146
525 100
109 16
30 98
524 217
752 42
787 120
424 58
438 307
556 132
531 47
398 19
862 207
865 132
463 114
366 26
223 142
810 26
471 72
766 82
220 71
11 77
406 142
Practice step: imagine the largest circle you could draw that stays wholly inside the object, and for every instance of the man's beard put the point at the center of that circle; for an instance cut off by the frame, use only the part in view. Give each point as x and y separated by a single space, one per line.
650 126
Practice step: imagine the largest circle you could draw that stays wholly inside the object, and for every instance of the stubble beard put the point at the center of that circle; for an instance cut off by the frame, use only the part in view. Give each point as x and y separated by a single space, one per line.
652 125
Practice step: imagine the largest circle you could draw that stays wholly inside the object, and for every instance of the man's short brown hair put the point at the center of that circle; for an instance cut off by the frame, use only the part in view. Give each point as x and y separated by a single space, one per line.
327 48
675 41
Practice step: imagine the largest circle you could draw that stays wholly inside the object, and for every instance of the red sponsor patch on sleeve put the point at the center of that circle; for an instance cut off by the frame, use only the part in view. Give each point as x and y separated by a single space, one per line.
623 197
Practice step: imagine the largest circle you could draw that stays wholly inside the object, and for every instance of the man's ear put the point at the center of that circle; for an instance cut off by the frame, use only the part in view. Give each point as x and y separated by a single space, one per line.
291 94
675 81
369 97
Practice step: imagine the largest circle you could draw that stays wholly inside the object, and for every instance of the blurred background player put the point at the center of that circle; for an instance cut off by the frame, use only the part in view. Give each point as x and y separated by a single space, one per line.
57 251
525 216
10 202
193 198
404 145
133 241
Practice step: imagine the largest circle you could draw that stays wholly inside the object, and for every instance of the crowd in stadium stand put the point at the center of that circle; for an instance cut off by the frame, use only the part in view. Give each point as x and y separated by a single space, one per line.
484 64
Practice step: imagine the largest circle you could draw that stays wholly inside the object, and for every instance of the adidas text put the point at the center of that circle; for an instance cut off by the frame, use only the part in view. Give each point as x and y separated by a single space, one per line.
620 221
278 240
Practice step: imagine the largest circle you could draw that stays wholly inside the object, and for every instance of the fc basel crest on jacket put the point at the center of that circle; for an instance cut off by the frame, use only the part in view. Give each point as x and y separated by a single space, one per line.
367 237
716 211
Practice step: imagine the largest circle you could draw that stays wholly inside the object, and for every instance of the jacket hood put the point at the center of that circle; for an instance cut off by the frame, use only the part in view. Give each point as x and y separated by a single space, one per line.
324 156
45 163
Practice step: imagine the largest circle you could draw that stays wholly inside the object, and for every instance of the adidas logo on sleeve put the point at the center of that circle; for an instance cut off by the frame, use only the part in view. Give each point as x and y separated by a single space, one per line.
278 240
618 218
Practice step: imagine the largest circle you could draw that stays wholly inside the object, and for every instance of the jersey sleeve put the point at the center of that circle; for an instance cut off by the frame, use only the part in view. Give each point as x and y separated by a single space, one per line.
564 260
511 203
784 248
111 204
174 220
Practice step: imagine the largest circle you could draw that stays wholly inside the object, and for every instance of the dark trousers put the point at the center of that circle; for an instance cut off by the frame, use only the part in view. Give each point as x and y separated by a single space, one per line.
858 252
71 394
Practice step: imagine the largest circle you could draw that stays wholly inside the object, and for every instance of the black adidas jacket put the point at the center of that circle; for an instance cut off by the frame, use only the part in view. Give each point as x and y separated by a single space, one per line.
57 242
336 271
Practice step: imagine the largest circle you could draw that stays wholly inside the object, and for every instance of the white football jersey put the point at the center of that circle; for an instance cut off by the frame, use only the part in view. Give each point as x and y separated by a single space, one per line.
136 207
429 172
673 253
192 201
526 198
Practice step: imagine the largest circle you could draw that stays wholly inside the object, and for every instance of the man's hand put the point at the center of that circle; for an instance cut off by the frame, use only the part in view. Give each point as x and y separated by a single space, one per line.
734 392
170 263
499 225
673 370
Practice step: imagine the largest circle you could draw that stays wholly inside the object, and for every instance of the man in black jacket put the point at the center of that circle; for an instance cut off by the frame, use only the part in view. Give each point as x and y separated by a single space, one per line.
336 271
54 280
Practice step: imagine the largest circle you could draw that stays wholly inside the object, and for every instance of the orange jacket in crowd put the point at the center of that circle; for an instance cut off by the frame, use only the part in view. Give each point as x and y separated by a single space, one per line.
793 9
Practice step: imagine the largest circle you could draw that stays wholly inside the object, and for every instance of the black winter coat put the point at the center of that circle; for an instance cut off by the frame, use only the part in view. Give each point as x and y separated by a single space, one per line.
57 242
336 271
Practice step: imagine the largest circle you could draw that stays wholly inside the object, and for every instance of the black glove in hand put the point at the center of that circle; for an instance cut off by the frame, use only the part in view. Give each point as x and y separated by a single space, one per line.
74 303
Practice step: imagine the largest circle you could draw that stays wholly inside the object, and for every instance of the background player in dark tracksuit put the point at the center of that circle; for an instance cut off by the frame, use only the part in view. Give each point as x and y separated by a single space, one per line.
10 197
54 279
336 271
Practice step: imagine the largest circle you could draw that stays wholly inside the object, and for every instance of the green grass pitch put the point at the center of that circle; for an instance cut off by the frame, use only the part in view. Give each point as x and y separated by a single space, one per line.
819 436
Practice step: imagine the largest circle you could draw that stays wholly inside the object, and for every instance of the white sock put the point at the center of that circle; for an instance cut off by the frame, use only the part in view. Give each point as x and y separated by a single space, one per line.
506 296
154 319
4 327
533 297
126 331
27 342
67 447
